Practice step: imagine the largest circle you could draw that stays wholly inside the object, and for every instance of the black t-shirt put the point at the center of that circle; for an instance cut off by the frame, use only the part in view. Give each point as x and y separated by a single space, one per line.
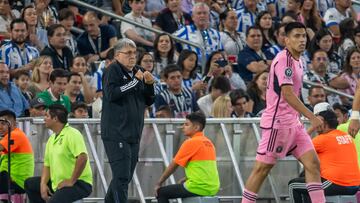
259 104
86 47
58 61
166 21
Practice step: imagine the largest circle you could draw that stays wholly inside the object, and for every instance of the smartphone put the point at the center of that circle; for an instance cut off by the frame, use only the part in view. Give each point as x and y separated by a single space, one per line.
206 79
222 63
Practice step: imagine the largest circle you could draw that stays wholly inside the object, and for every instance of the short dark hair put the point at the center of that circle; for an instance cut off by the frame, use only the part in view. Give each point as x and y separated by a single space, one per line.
254 27
198 118
58 73
170 69
78 105
293 25
18 21
19 73
221 83
330 118
8 113
51 29
66 13
317 51
70 75
311 89
341 108
238 94
59 111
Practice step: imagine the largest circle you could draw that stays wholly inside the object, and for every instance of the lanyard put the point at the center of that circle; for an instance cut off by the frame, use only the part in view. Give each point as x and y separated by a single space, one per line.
234 39
62 59
98 49
178 21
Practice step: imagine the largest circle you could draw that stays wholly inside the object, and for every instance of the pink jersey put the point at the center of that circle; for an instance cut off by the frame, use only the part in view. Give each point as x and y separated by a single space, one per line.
284 70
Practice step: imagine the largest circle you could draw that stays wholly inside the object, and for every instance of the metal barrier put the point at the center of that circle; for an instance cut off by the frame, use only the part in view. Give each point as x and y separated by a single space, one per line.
329 89
94 8
235 141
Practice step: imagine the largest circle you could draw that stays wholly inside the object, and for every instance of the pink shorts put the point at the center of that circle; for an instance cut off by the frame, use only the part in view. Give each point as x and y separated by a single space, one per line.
279 143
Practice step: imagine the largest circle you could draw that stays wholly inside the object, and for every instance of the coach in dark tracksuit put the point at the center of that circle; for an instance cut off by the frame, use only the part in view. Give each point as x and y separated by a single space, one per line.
128 89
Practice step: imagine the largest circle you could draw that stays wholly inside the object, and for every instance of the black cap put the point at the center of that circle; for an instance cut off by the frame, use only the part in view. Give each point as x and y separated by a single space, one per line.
37 102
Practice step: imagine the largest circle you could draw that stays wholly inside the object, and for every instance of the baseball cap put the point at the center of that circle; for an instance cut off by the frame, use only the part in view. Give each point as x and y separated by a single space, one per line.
320 107
37 102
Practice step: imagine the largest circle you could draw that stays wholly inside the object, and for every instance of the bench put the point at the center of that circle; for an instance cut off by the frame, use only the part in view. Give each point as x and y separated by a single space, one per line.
341 199
200 200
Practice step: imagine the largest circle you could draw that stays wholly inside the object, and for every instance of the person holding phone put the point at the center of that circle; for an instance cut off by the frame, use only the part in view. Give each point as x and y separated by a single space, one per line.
217 65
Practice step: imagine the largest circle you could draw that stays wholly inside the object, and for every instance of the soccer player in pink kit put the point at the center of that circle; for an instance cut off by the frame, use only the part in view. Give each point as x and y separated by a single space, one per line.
282 132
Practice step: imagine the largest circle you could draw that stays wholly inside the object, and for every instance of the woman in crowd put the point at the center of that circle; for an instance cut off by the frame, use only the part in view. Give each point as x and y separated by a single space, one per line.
310 15
264 21
40 75
232 40
221 107
146 61
37 35
323 40
164 52
351 71
218 65
257 92
188 61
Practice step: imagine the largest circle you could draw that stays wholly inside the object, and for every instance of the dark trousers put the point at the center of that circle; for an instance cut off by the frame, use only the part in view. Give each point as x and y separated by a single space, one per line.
16 189
80 190
122 158
172 192
299 194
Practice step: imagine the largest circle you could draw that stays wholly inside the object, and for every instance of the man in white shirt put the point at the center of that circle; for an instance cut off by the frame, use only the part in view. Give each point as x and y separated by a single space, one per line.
334 16
140 36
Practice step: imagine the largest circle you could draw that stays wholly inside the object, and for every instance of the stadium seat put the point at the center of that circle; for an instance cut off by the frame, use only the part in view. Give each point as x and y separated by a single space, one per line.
15 198
200 200
341 199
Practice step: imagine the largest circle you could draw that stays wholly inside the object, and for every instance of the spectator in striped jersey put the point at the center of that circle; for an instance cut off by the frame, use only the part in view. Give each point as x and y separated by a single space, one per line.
17 54
181 100
247 15
200 32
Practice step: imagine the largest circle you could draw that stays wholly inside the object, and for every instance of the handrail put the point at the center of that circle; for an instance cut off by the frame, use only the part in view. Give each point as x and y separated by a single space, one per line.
357 2
329 89
127 20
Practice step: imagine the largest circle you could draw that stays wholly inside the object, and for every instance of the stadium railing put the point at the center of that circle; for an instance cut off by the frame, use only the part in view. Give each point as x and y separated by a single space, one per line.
235 141
127 20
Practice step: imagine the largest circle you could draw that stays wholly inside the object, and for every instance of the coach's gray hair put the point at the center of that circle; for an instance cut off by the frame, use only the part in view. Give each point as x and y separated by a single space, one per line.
122 43
200 4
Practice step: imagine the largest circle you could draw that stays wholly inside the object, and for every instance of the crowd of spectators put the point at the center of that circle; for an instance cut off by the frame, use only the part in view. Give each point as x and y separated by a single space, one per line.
44 61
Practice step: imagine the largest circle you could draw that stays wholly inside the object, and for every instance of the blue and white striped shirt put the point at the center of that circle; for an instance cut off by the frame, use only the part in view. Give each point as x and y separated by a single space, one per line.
261 5
324 5
246 19
280 7
275 49
209 39
14 57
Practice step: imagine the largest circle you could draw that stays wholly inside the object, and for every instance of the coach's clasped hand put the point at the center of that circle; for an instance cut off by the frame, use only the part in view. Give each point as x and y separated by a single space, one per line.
149 78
